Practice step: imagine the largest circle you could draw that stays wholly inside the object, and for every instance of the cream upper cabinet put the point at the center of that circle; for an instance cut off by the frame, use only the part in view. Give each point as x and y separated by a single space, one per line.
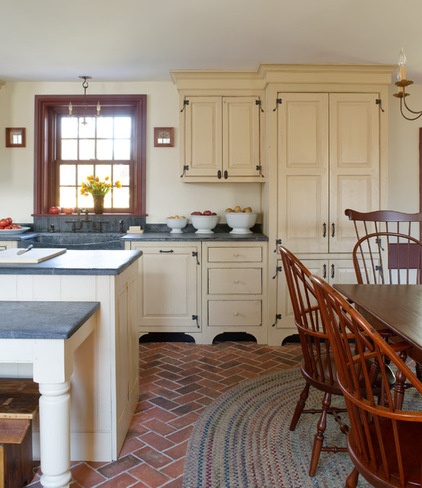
329 160
221 139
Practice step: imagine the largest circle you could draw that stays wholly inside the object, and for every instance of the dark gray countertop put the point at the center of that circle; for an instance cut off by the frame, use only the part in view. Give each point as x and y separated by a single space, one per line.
18 237
43 320
188 235
192 236
95 262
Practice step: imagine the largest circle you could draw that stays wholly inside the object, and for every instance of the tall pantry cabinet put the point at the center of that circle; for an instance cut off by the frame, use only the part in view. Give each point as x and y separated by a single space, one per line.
314 136
328 152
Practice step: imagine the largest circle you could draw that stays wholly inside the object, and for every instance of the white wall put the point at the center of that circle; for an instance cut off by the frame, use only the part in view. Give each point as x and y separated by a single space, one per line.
404 153
166 194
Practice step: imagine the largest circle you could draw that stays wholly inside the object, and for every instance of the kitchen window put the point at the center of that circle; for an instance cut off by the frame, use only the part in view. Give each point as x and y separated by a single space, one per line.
70 148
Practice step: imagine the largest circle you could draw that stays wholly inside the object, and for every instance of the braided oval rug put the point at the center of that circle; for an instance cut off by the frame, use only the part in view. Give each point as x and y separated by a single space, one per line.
242 439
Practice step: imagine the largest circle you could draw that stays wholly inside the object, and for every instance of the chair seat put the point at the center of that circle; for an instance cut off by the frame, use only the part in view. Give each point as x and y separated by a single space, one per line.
323 374
410 434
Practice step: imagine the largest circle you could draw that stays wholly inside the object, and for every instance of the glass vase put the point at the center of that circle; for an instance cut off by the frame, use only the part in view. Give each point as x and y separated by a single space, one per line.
98 204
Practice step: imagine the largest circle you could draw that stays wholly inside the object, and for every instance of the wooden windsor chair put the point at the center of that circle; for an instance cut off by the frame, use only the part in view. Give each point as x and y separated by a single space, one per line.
400 256
318 368
384 439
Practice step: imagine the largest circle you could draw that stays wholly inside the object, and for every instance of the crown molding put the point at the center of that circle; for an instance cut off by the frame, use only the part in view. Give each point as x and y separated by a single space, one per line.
284 73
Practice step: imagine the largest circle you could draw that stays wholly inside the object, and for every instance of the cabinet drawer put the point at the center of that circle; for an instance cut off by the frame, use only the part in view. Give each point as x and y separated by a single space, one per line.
234 281
234 312
235 254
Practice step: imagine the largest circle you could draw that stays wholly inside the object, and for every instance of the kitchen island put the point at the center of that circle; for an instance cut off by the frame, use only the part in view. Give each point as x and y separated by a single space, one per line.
104 383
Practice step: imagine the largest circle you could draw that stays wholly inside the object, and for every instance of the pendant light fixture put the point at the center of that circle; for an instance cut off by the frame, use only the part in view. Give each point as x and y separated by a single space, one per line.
85 85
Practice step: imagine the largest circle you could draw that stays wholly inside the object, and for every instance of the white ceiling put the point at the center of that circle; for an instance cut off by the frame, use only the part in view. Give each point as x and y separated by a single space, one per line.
142 40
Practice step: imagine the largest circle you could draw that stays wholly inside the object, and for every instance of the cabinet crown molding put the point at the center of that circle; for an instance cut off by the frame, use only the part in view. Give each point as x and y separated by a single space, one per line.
283 73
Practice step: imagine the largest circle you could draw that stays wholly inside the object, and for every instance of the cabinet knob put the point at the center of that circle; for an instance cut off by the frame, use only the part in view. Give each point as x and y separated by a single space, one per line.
236 281
236 314
236 254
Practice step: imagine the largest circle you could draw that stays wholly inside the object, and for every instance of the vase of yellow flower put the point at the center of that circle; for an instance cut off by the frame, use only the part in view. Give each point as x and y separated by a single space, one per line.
98 204
98 189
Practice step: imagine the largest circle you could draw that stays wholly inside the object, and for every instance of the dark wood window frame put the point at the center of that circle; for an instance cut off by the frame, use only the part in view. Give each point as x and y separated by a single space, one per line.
45 178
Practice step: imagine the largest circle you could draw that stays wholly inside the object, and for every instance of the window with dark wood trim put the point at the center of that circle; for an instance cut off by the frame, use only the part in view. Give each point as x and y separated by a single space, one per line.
49 160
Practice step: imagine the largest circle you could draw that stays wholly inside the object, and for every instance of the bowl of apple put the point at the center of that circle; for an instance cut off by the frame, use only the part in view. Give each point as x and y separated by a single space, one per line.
176 223
204 222
240 220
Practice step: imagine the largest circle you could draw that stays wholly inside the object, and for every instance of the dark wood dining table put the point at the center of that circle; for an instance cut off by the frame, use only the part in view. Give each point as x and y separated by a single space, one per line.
397 307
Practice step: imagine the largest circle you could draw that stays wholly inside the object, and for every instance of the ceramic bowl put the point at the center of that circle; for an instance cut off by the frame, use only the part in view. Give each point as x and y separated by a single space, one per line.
204 223
241 222
176 225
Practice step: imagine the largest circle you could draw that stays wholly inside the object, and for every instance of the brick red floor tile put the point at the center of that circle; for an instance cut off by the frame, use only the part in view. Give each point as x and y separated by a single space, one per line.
177 381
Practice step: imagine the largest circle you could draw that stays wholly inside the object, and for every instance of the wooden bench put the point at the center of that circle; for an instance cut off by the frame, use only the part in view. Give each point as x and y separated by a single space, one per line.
18 406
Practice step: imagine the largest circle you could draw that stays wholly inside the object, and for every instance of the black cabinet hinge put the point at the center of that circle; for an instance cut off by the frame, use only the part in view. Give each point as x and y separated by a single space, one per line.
259 103
185 168
277 317
195 317
278 101
185 104
278 269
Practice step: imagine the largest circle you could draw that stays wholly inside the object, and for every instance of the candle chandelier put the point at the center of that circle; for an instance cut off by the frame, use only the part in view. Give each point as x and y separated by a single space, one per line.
85 86
402 82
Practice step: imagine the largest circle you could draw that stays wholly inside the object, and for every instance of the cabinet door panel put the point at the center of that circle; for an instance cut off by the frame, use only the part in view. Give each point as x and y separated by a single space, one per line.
234 312
203 135
354 162
241 146
234 281
303 171
169 288
305 222
332 271
352 191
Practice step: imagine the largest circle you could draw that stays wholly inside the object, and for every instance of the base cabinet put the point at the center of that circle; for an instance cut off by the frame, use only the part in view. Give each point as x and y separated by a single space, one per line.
8 245
332 270
234 289
203 289
170 276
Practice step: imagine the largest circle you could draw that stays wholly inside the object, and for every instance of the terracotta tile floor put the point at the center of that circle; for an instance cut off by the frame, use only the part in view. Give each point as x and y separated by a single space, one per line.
177 380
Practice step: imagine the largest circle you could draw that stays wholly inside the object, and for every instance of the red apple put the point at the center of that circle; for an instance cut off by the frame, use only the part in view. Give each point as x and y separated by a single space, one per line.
207 212
54 209
196 213
213 213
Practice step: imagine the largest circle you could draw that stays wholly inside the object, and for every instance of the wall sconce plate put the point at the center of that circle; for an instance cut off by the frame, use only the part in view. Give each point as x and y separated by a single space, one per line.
15 137
163 136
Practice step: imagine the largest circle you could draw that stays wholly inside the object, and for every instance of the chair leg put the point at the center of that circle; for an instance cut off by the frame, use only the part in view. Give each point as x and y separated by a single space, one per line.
300 406
319 436
352 479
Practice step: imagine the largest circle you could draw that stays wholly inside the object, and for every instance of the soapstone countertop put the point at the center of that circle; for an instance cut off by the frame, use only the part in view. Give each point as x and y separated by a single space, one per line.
192 236
43 320
90 262
18 237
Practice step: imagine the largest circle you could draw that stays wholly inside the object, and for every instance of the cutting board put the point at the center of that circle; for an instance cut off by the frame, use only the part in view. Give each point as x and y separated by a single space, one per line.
35 255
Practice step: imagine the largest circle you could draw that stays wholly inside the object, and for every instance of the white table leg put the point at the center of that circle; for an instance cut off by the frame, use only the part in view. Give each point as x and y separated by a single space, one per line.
54 406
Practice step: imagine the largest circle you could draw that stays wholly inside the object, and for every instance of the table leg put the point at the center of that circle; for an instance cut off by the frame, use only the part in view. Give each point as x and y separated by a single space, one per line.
54 408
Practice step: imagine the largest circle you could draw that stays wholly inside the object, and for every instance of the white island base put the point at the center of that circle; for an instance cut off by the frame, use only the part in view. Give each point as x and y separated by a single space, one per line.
104 383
